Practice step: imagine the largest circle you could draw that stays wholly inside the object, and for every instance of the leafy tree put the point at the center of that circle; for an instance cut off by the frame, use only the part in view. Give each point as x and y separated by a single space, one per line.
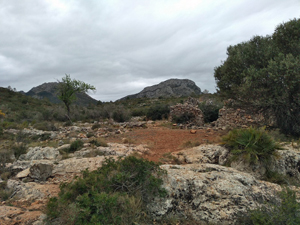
68 88
264 74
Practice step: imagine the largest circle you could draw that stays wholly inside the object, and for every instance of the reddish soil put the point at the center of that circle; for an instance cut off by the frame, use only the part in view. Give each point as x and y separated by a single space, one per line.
163 140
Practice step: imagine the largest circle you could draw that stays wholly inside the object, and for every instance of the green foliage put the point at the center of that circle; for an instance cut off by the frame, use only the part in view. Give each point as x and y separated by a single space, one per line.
96 126
116 193
183 118
210 111
252 144
45 126
99 142
263 73
121 114
68 88
5 193
279 213
75 146
158 112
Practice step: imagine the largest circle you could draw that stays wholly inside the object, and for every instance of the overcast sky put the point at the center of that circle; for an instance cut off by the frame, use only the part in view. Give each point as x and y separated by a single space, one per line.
122 46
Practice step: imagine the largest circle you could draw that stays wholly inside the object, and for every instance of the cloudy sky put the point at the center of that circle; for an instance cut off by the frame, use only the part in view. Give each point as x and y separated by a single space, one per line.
122 46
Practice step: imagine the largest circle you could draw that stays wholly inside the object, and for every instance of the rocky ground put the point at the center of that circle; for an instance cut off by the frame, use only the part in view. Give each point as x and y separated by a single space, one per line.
198 183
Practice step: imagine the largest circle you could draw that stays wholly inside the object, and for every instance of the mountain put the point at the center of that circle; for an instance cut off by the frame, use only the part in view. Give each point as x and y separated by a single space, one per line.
168 88
49 90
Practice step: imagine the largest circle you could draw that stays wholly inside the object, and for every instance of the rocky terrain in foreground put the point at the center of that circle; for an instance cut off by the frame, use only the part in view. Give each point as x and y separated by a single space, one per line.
198 185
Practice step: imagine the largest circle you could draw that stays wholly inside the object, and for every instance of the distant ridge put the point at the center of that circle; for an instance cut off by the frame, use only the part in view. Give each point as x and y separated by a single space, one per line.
168 88
49 90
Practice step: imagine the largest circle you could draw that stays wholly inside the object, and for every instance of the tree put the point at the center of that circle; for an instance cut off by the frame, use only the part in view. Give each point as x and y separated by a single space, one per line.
264 74
68 88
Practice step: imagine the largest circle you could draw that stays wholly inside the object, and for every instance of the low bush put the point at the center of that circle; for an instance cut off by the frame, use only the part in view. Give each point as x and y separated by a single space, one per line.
116 193
120 115
253 144
183 118
158 112
45 126
280 213
210 111
99 142
75 146
96 126
5 193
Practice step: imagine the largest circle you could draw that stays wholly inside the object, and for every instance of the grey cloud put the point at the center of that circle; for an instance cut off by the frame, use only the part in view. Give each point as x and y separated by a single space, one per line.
122 46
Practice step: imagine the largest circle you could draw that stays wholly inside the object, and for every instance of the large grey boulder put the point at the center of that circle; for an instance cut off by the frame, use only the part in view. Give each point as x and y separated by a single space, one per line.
41 171
26 191
210 193
40 153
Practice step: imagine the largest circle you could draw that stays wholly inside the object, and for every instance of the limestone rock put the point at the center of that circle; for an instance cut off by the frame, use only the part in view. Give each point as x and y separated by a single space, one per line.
41 171
39 153
73 165
210 193
23 173
26 191
214 154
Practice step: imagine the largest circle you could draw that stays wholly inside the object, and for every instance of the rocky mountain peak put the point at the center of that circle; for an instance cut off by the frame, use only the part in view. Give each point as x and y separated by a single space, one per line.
169 88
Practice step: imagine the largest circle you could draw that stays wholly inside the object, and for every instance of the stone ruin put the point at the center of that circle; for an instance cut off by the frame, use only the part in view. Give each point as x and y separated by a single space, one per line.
189 107
232 117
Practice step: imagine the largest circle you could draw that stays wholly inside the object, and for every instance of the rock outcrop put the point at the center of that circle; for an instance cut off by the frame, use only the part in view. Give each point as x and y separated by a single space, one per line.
168 88
211 193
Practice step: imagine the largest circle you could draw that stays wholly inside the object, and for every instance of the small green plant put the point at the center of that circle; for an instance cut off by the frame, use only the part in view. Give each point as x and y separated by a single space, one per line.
116 193
183 118
158 112
253 144
280 213
99 142
5 193
75 146
96 126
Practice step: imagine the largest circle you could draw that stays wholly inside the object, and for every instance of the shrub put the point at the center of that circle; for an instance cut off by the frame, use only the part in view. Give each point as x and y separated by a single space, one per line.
183 118
96 126
121 115
19 149
116 193
253 144
45 126
158 112
210 111
99 142
75 146
279 213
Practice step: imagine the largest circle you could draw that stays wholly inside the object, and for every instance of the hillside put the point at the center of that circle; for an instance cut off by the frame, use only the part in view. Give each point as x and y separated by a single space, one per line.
168 88
48 90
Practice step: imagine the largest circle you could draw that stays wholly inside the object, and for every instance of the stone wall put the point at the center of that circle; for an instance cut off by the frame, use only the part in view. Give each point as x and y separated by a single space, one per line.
238 118
190 107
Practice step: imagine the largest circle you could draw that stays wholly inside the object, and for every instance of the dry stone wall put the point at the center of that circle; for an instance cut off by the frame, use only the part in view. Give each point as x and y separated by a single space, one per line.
190 107
237 118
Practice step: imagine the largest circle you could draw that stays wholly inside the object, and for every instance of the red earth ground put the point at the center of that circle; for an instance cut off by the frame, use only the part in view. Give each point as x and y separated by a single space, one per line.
162 140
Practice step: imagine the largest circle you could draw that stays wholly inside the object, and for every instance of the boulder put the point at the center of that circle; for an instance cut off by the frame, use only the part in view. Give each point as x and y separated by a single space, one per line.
214 154
41 171
40 153
25 191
